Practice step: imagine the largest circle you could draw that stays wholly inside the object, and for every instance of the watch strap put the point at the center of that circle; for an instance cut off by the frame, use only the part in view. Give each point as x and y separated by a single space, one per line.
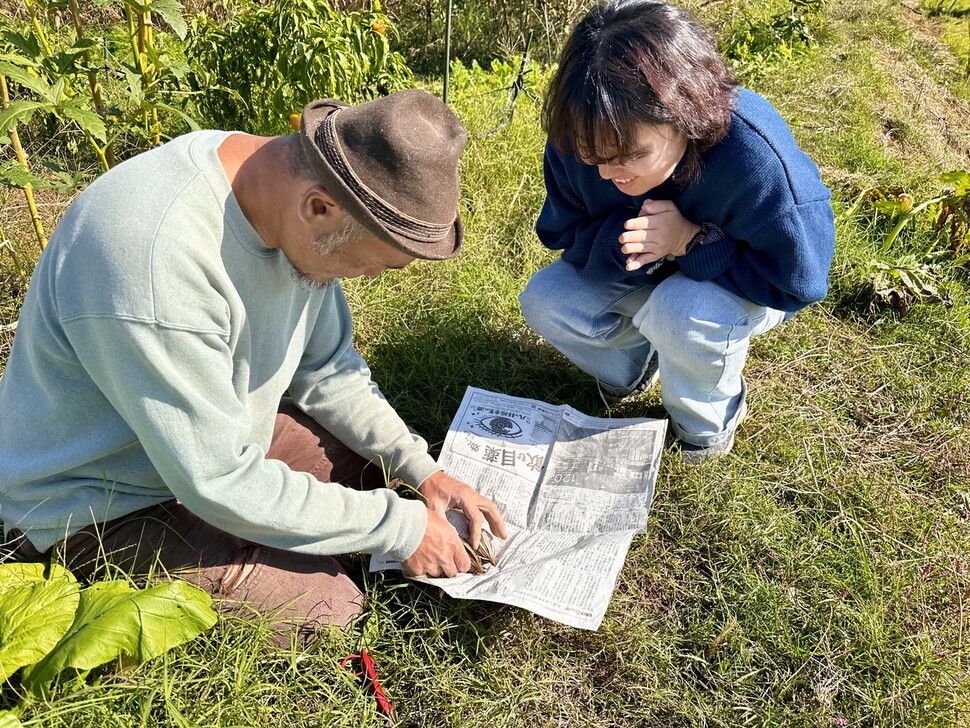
709 233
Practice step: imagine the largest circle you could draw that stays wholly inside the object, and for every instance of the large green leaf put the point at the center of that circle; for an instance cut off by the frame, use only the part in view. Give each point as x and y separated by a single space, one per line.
20 75
9 720
193 124
13 175
171 12
26 44
37 606
958 179
19 112
67 60
88 120
113 618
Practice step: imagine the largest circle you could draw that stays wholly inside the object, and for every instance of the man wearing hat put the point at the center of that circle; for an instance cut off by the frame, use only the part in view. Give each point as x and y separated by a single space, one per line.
183 396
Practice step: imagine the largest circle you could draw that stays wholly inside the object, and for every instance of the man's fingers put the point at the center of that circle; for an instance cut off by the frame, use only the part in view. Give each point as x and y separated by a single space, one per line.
495 521
637 223
475 520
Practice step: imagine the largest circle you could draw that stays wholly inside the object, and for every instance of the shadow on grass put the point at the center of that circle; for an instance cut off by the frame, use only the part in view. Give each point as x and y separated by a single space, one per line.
424 370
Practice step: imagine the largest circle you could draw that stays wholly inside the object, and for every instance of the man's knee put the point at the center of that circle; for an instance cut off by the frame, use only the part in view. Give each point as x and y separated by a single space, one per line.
292 591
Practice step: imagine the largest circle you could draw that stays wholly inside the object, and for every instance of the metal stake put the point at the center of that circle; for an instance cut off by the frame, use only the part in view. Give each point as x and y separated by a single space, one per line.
447 50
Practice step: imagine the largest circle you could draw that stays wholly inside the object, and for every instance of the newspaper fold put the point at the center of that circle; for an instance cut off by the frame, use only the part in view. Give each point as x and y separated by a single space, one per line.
573 490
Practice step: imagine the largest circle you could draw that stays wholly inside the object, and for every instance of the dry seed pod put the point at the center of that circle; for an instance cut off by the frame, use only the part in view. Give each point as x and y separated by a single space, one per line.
486 548
484 554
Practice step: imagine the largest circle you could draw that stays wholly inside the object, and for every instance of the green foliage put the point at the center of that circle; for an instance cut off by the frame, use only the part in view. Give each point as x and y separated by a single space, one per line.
951 207
113 619
52 77
49 624
954 210
482 30
37 606
267 62
759 44
63 74
906 281
12 174
898 277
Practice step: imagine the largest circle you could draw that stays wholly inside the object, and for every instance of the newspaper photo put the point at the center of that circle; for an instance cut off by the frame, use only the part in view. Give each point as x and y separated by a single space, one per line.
573 489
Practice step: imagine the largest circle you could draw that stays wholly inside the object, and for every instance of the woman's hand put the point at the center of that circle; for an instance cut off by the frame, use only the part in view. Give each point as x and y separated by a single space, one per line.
660 230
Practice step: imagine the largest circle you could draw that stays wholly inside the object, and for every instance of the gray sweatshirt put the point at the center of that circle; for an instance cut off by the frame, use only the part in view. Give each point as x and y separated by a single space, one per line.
157 337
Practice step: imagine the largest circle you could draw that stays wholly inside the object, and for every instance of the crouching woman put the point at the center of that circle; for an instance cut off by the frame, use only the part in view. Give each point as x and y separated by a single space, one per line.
688 217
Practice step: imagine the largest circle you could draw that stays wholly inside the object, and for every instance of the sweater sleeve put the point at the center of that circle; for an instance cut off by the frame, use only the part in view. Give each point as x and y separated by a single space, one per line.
173 387
783 264
565 223
333 385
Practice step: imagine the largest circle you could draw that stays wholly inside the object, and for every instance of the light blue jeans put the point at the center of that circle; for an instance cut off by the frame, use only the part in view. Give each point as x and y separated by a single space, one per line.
698 330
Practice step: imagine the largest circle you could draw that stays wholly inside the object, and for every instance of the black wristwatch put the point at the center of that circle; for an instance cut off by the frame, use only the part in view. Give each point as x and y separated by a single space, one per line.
709 233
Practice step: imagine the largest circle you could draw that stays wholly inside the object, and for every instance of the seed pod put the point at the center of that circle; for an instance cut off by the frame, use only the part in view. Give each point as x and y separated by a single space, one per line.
484 554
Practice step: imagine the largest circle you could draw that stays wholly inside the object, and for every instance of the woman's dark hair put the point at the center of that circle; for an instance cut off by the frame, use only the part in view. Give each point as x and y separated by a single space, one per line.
631 62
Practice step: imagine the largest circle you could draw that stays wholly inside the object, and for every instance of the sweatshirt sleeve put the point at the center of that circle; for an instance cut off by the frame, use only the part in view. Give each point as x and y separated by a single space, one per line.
333 385
173 387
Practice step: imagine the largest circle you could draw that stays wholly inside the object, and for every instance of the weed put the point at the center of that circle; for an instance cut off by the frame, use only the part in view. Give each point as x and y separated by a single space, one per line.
759 44
268 61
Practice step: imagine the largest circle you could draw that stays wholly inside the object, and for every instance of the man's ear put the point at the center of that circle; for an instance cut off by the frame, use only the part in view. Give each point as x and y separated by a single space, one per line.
317 208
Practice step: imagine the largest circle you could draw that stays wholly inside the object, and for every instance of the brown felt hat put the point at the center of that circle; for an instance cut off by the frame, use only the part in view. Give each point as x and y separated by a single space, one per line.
392 163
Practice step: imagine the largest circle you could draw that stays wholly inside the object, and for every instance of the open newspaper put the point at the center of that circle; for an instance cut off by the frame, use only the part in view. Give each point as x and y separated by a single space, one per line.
573 490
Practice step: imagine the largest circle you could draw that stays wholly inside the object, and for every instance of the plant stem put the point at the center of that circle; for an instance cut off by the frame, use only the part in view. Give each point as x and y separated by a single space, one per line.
28 188
7 244
903 219
148 44
135 38
107 154
102 152
38 28
857 203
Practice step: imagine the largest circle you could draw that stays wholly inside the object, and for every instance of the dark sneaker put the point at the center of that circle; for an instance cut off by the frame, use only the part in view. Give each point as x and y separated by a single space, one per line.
697 454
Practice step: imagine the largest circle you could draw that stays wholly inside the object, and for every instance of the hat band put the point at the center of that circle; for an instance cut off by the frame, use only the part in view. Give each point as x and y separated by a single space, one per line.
394 219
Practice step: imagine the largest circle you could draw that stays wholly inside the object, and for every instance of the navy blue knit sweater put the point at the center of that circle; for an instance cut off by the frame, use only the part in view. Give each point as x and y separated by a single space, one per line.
756 185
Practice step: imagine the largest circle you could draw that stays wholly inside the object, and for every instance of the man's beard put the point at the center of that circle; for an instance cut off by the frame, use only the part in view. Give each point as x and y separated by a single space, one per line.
325 245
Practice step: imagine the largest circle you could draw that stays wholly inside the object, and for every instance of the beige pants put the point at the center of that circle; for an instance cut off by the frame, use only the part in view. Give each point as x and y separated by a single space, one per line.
244 578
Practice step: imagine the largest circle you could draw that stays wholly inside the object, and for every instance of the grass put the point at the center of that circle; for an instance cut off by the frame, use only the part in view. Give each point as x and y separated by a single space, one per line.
818 576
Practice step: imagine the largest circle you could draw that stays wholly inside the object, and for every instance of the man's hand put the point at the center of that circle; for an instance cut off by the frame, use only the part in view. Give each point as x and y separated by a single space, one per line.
442 493
440 553
659 231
